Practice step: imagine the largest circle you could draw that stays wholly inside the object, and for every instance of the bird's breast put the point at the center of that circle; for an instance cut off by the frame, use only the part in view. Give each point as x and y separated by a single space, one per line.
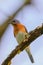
19 28
20 37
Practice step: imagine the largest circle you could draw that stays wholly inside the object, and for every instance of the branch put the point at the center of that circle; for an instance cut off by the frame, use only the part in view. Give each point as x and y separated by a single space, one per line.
34 34
10 18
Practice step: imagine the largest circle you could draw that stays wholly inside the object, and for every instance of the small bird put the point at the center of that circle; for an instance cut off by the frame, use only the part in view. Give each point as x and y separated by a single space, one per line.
21 34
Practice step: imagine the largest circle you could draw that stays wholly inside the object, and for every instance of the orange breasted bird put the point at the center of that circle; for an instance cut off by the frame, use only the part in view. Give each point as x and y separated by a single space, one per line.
21 33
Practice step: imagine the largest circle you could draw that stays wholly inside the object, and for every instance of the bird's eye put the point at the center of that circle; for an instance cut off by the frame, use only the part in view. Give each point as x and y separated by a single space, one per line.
14 21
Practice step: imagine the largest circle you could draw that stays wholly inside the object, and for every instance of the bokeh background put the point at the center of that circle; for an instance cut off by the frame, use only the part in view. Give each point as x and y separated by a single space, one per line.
31 16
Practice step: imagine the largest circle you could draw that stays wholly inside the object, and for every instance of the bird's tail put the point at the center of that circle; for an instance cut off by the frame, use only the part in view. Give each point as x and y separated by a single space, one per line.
29 54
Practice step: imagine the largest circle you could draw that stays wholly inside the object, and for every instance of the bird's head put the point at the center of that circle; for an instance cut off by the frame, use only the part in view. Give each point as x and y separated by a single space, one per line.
15 22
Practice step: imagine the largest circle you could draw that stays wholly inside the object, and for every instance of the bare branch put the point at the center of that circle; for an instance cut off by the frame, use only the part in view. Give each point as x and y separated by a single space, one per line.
34 34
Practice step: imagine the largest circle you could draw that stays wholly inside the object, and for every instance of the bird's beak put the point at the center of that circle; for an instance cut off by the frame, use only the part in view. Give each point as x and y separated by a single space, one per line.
11 22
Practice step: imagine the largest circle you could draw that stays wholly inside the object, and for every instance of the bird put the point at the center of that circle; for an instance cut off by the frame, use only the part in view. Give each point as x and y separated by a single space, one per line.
21 34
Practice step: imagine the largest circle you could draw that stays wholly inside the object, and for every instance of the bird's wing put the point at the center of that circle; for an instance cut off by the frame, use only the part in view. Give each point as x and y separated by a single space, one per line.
25 29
